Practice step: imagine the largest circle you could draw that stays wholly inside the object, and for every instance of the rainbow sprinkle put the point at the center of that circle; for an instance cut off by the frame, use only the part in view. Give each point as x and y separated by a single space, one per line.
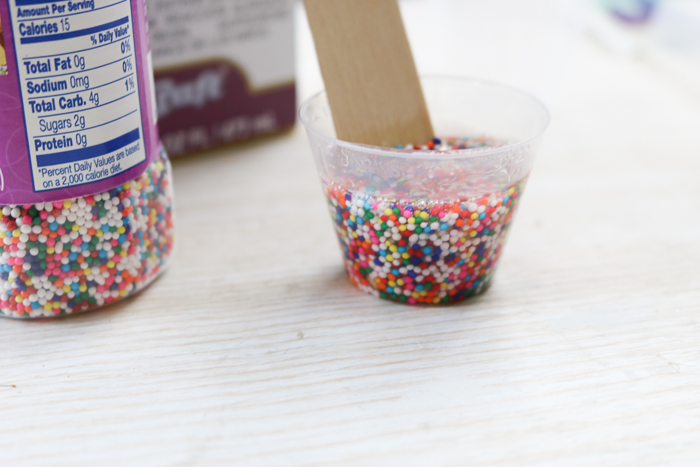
422 251
74 255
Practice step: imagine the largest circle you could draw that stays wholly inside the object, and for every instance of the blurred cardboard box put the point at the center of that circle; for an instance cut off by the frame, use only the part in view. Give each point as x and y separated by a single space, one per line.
224 70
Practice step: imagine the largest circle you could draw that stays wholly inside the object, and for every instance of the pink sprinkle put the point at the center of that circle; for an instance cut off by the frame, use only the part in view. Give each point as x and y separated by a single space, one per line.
43 215
78 241
58 204
50 241
27 219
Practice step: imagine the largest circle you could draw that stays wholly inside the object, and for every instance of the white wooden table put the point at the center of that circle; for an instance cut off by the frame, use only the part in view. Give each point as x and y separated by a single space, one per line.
255 351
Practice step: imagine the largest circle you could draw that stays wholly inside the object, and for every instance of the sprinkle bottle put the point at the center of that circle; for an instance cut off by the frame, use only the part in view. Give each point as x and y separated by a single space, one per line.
85 187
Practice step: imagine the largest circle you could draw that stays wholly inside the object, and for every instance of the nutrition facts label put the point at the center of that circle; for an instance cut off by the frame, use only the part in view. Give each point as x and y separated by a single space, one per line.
79 87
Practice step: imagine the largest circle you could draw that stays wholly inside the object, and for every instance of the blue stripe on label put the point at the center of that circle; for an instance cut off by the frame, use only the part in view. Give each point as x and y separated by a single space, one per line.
78 33
74 155
34 2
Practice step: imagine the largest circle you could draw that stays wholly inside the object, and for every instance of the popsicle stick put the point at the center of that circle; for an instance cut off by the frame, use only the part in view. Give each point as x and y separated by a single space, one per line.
369 72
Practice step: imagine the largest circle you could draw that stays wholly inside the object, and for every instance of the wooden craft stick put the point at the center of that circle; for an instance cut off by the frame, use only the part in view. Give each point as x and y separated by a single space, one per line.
369 73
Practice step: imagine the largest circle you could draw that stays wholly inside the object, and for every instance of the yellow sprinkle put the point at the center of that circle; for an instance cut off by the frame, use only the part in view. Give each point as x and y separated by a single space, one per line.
48 306
2 235
18 299
75 227
389 258
511 191
66 288
474 216
67 204
400 282
391 284
56 305
50 250
126 185
353 218
424 215
423 293
123 292
411 220
415 295
405 256
443 285
436 300
121 230
82 288
393 248
16 233
110 264
98 234
402 228
472 233
470 264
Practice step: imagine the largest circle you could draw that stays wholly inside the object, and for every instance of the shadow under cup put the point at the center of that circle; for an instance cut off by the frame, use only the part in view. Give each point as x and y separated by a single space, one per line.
427 226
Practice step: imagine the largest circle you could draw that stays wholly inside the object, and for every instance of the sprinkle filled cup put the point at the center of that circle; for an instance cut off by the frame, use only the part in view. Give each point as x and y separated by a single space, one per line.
426 222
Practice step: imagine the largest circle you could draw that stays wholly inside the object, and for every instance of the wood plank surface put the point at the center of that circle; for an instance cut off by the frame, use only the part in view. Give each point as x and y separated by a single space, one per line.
254 349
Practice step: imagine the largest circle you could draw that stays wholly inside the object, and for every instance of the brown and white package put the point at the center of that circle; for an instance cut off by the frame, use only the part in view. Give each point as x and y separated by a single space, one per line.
224 70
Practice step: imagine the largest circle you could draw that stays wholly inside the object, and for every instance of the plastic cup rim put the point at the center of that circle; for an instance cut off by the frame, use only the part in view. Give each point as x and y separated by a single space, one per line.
422 153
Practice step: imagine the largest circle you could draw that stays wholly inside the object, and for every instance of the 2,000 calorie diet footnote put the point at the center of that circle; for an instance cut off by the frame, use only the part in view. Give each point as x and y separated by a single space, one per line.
85 107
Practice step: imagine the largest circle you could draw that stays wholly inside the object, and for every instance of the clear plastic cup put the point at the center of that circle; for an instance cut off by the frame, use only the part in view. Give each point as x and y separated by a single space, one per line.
427 226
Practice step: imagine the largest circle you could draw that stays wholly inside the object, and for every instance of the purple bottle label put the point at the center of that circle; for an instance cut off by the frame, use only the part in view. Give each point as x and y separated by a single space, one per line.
77 115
